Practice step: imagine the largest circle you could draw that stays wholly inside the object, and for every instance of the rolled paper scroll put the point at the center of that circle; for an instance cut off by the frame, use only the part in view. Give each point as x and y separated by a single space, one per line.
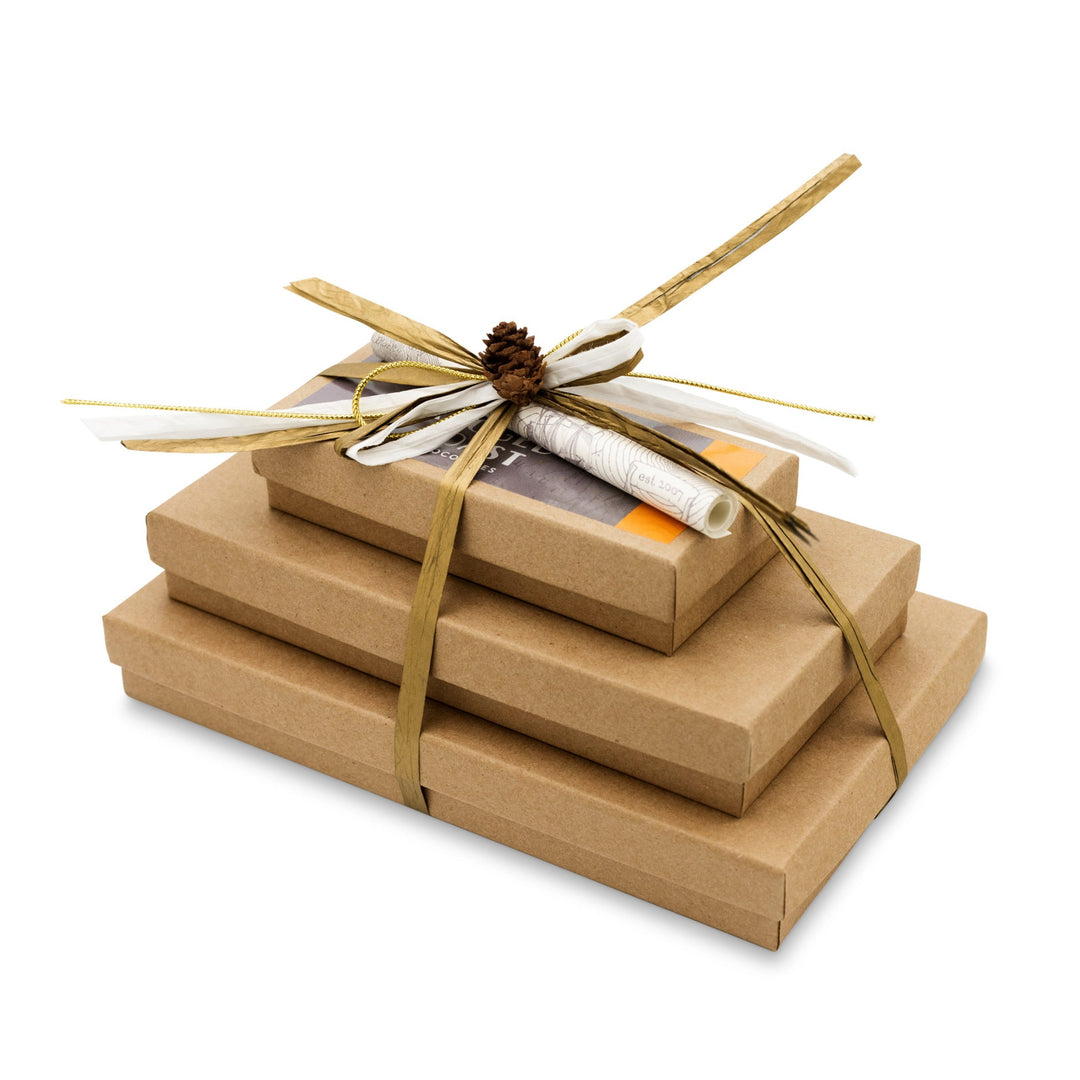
615 459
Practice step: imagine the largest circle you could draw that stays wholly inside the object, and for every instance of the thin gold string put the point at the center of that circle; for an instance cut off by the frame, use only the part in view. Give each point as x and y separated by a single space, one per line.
359 416
565 341
270 414
722 389
374 376
746 394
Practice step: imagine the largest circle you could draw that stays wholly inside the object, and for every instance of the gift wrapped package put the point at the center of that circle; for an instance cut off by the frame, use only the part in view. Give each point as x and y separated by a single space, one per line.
714 722
541 529
665 710
752 877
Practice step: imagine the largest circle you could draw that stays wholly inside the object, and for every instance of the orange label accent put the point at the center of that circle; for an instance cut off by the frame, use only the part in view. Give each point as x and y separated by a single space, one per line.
737 461
647 521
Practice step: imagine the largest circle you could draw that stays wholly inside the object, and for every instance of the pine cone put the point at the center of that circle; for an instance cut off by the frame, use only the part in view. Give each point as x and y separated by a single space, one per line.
513 363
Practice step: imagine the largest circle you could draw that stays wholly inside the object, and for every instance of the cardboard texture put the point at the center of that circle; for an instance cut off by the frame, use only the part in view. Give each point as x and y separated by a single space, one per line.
752 877
715 722
641 588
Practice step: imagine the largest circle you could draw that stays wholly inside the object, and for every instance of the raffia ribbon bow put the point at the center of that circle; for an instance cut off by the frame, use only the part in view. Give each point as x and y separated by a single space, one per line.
586 377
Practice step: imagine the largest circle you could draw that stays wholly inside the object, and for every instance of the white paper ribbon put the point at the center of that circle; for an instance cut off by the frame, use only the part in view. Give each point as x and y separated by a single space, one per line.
430 415
628 394
624 393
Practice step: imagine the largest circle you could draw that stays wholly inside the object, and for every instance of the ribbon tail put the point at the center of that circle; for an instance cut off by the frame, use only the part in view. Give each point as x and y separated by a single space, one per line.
230 444
733 251
832 603
384 321
420 639
688 407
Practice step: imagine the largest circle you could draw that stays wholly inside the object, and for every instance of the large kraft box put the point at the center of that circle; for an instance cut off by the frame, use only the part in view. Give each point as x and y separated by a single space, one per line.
715 722
752 877
541 529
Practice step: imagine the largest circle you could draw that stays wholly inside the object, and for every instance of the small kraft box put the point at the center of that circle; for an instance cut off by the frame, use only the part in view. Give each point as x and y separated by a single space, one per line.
542 530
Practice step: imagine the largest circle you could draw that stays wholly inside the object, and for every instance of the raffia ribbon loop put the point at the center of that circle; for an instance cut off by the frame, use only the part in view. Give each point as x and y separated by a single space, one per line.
385 321
608 374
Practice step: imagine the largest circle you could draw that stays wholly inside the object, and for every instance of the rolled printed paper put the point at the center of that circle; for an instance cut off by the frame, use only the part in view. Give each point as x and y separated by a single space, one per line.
619 461
624 464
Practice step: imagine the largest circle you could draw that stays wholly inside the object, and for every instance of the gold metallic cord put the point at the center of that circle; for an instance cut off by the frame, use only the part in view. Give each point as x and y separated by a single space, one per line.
375 374
745 394
268 413
565 341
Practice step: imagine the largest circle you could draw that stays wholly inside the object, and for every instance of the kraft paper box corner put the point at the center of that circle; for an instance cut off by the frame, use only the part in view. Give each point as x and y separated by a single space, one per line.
752 877
715 721
542 530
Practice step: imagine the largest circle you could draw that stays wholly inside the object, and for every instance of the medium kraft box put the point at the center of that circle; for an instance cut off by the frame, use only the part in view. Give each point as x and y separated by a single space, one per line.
540 529
752 877
715 722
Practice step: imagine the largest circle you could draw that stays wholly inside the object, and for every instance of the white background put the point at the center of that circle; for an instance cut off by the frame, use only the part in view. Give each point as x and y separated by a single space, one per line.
180 905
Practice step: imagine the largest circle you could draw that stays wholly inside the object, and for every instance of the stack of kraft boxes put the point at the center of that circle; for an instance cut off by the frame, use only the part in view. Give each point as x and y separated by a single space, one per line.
671 715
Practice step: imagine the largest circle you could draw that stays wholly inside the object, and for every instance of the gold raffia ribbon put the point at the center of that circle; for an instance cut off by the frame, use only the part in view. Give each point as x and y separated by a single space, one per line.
780 526
424 613
231 444
420 638
419 643
385 321
770 224
406 376
843 618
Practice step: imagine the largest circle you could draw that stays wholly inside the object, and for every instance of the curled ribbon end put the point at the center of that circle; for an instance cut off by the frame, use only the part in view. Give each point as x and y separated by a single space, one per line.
799 528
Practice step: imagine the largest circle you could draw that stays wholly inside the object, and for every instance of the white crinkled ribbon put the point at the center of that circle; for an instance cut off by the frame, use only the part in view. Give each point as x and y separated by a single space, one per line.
427 402
119 423
627 394
481 398
432 414
614 458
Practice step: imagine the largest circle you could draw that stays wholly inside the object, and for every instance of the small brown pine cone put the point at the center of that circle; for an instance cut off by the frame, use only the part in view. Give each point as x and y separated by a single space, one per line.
513 363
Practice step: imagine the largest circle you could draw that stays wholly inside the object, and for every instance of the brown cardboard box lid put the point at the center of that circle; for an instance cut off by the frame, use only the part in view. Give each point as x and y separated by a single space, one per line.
652 592
715 721
752 876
